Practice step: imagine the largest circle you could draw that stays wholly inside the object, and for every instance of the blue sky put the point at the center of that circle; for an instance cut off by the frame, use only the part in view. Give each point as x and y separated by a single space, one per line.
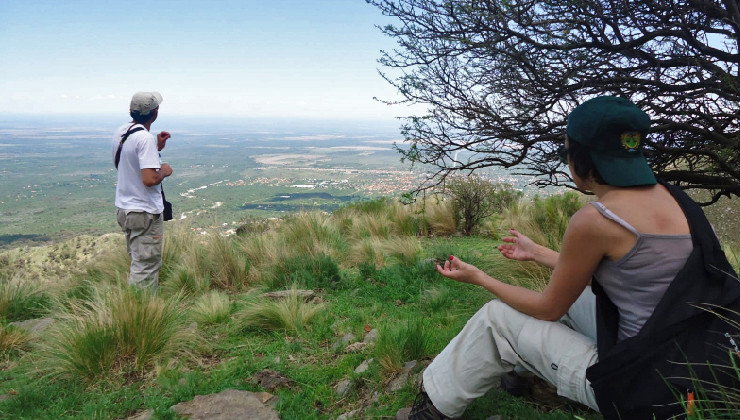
251 58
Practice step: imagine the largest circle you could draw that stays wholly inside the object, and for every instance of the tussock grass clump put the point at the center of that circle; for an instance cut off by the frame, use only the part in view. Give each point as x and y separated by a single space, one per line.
12 338
291 314
177 245
195 262
400 343
404 249
111 267
20 300
370 226
366 250
439 217
185 281
213 307
544 220
119 330
436 299
219 260
262 251
319 271
312 233
385 218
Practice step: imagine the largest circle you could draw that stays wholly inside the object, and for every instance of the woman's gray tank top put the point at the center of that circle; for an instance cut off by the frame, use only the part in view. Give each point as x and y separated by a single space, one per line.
637 282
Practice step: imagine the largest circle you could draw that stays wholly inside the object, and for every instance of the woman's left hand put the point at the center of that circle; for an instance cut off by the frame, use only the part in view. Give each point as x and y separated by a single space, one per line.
458 270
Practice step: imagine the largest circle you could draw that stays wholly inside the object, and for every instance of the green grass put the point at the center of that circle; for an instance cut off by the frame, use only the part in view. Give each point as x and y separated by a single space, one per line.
112 352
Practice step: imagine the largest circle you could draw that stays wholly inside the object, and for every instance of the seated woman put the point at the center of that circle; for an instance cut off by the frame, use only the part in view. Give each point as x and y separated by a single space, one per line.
633 240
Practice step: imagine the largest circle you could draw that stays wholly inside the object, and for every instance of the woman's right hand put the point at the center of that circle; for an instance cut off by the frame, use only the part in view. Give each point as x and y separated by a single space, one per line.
519 247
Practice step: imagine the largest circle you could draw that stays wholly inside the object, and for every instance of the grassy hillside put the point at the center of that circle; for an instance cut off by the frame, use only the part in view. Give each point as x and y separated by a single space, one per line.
112 353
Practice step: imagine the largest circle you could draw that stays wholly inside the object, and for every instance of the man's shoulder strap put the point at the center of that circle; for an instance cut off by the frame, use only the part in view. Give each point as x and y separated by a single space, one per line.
130 131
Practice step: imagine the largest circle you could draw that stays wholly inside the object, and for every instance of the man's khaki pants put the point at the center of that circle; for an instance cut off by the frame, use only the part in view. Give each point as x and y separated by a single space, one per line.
144 233
499 338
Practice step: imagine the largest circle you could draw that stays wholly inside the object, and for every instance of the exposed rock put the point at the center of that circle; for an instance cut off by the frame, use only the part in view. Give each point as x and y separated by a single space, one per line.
364 366
371 337
398 382
229 404
343 387
282 294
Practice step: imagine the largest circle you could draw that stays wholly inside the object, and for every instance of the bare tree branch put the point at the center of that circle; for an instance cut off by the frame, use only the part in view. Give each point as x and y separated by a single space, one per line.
499 78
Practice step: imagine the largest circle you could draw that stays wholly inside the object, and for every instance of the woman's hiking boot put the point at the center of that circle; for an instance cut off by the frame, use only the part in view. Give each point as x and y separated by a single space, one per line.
423 409
515 384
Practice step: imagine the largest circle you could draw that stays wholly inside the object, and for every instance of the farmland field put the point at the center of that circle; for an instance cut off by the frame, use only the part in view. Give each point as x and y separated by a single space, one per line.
57 179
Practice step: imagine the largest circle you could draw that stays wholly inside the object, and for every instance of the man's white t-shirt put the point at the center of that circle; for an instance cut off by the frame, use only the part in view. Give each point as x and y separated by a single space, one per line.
139 152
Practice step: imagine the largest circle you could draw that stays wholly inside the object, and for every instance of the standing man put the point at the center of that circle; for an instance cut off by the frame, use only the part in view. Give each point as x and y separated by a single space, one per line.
138 192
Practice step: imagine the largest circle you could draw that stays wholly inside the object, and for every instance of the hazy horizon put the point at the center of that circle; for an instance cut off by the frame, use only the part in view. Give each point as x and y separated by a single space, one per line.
283 58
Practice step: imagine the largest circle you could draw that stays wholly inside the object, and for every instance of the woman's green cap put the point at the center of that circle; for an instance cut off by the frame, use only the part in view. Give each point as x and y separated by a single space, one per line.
614 131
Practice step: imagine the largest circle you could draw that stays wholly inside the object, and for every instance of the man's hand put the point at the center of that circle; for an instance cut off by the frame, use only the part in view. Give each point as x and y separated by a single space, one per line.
165 170
151 177
162 138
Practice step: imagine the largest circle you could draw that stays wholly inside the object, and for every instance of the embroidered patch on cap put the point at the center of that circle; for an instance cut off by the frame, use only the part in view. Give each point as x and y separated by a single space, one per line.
630 140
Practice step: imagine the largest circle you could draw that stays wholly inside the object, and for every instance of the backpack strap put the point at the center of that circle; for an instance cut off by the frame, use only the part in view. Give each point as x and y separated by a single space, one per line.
123 139
702 232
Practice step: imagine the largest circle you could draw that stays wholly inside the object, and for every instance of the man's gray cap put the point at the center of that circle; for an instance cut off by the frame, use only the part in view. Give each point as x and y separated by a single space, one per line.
145 102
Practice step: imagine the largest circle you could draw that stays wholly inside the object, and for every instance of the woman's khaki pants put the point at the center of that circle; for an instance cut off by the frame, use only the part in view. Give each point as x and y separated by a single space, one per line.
499 338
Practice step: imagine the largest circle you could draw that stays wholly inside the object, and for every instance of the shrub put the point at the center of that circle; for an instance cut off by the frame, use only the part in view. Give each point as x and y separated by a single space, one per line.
476 198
